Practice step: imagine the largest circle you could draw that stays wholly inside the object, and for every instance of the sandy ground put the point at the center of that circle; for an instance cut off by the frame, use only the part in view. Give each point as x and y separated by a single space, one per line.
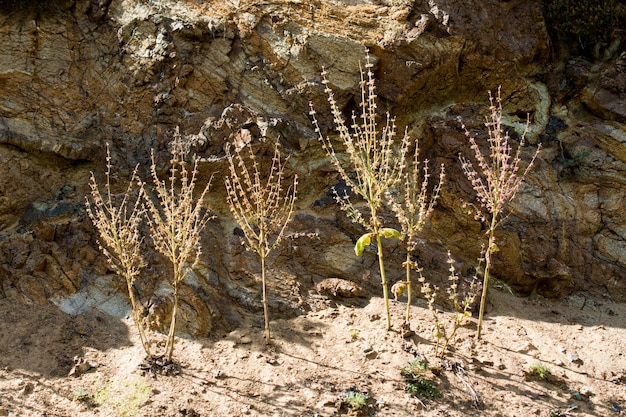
317 358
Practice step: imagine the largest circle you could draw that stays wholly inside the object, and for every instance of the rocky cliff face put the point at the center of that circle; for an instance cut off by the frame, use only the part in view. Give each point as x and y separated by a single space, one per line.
77 74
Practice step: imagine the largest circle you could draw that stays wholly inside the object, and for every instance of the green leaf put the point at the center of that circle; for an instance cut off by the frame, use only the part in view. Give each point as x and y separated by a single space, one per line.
388 233
363 241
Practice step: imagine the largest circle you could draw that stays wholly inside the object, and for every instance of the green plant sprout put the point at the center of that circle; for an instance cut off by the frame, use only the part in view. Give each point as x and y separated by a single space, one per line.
461 308
539 370
176 221
92 399
260 206
354 335
133 395
496 180
412 211
416 383
376 163
355 400
120 240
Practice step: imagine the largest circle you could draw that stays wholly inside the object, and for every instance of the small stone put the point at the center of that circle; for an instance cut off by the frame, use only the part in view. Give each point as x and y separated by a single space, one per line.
367 348
374 317
371 355
574 358
27 388
272 361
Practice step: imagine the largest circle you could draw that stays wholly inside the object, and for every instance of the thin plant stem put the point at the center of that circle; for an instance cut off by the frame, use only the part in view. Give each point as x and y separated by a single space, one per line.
490 249
135 305
383 276
266 315
169 346
409 293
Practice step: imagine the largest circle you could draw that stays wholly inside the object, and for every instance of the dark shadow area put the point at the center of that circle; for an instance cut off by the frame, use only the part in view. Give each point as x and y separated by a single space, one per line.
577 309
48 339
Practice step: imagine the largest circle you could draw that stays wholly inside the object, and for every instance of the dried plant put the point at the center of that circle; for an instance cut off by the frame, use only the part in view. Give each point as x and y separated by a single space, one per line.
445 333
374 158
412 211
496 180
261 206
120 239
176 221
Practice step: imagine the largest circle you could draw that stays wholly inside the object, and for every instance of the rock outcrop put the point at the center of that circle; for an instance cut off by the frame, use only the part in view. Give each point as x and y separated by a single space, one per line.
77 74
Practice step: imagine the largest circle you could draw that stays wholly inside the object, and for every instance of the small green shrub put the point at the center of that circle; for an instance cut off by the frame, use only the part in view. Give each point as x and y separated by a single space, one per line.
416 383
133 394
82 395
571 165
354 335
91 399
355 400
539 371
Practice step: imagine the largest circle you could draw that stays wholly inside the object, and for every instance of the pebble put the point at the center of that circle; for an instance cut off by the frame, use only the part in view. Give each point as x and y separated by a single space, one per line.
27 388
371 355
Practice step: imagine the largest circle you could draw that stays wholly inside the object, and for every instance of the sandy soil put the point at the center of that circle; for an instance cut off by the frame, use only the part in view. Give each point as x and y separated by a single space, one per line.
317 358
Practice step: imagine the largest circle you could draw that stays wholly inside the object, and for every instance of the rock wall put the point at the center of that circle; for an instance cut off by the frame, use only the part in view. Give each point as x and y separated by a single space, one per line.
77 74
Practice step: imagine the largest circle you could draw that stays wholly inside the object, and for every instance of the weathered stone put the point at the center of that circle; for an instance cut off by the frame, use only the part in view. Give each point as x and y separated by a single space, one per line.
337 287
91 72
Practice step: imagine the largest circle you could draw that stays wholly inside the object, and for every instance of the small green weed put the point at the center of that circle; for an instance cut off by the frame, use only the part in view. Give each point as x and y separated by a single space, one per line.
134 394
90 399
539 371
354 335
416 383
355 400
82 395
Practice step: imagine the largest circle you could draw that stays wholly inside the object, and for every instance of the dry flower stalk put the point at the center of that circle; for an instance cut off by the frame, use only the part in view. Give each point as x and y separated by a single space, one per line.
176 221
261 207
496 180
373 157
462 309
120 239
412 211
